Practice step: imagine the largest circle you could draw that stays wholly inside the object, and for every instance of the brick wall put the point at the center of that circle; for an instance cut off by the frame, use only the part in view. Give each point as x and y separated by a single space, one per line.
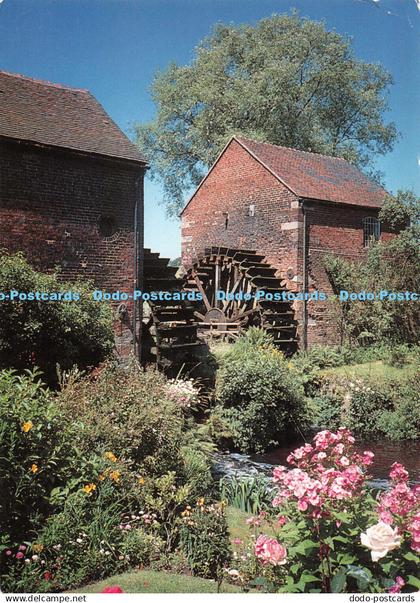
53 206
237 183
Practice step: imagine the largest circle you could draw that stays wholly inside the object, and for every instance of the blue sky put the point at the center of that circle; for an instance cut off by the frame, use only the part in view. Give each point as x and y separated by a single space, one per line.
114 47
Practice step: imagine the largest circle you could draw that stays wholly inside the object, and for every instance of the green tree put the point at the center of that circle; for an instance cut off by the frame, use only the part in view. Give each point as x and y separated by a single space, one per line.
286 80
50 333
402 212
394 266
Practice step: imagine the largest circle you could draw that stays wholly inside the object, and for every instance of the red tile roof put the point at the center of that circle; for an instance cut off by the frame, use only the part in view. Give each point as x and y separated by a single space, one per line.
314 176
59 116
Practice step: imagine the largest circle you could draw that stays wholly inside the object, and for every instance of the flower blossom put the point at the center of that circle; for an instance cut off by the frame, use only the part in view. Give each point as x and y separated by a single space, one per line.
399 583
380 539
328 470
270 551
112 589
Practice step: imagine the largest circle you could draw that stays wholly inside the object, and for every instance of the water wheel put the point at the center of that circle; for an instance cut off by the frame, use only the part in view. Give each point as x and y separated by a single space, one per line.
248 284
169 331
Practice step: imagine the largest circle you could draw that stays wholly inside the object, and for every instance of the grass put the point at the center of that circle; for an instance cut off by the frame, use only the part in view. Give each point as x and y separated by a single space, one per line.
376 369
148 581
238 528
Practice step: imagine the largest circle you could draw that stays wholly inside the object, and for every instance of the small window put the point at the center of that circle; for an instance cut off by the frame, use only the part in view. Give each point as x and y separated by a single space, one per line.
371 231
251 210
226 216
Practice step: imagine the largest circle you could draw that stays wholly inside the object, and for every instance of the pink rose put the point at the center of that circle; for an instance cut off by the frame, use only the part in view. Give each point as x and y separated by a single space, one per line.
270 551
19 555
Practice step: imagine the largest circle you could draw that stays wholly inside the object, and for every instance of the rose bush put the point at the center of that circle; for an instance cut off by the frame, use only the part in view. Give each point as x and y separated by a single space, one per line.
329 532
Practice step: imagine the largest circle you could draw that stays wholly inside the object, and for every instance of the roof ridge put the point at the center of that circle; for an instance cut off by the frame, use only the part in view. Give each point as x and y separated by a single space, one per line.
43 82
279 146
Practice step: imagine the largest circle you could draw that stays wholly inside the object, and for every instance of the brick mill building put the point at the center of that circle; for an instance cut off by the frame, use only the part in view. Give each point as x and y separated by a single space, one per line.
293 207
71 187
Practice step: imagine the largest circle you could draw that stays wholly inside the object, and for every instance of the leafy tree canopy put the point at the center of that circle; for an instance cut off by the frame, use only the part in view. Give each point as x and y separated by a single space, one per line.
402 211
286 80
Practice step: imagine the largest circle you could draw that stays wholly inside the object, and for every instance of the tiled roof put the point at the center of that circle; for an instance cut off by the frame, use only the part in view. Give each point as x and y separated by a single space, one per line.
315 176
59 116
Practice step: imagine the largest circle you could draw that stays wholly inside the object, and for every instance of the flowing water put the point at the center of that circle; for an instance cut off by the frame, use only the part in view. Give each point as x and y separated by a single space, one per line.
386 452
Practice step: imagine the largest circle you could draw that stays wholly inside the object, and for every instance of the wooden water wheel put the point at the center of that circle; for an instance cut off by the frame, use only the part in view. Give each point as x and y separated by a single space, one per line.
175 333
169 331
249 285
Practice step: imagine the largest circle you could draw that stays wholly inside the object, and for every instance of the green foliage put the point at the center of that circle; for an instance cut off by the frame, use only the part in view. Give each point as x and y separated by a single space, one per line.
393 266
249 494
50 333
332 544
140 548
286 81
260 398
204 540
96 475
371 408
128 413
36 452
401 211
83 542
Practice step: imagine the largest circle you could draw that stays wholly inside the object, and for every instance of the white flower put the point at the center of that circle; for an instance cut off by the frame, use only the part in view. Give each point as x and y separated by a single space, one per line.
34 557
79 540
380 539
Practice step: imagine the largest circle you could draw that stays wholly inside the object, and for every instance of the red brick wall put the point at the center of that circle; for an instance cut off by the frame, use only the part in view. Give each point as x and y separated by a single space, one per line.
50 207
237 182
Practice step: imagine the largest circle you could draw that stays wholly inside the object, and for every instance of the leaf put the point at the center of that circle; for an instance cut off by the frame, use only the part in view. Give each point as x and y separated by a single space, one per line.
309 578
413 581
338 582
346 558
411 557
361 574
340 539
295 567
305 546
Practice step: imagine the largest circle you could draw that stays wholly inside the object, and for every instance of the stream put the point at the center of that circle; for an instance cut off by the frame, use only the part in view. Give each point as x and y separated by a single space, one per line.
386 452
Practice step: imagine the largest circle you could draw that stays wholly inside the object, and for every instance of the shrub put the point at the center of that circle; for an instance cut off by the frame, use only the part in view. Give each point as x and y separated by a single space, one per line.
369 407
204 539
127 412
138 548
95 476
381 320
260 397
36 452
402 423
50 333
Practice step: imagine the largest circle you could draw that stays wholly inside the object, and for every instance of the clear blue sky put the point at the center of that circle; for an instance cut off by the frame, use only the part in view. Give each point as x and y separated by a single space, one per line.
114 47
